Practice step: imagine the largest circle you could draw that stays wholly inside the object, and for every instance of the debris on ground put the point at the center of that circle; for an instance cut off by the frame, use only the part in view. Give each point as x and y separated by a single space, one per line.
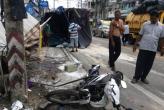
44 71
48 70
17 105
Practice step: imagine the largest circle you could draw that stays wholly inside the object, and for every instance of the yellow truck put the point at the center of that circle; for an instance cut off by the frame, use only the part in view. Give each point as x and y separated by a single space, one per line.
136 21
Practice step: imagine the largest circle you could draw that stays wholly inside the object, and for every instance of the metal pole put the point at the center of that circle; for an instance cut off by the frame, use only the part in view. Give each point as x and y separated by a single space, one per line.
81 3
87 2
96 9
54 4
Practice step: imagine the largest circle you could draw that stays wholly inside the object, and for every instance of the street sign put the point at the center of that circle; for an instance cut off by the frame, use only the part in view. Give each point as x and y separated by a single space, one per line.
43 3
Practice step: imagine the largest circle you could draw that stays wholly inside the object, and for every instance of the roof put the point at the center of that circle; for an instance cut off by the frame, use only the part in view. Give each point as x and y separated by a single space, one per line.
28 24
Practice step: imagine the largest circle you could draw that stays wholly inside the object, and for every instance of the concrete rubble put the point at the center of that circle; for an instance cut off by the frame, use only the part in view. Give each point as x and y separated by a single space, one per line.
68 69
54 66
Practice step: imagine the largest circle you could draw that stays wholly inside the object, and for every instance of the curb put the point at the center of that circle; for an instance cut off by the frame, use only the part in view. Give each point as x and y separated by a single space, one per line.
70 56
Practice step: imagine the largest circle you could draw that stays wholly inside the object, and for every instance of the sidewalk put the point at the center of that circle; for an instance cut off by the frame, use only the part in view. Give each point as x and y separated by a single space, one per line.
53 66
50 70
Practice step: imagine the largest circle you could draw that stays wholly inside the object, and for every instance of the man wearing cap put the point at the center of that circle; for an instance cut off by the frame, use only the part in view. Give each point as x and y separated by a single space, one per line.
148 42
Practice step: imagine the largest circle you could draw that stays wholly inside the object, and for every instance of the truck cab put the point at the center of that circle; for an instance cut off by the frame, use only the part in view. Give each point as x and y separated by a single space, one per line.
162 17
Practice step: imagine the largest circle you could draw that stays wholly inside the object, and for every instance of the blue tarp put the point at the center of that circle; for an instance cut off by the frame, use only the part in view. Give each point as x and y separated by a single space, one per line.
30 9
43 4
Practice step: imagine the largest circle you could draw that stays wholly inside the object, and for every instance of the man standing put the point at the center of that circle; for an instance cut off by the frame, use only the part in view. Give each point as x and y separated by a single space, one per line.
115 32
149 35
73 30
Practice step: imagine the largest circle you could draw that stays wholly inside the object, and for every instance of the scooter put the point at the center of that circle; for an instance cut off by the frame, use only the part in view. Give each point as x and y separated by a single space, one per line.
95 89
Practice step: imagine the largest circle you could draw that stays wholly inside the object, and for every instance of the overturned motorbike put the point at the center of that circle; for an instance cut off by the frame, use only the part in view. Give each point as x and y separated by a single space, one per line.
95 89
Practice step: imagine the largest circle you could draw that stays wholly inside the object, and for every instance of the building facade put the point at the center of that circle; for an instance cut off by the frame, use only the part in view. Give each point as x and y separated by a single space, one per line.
104 9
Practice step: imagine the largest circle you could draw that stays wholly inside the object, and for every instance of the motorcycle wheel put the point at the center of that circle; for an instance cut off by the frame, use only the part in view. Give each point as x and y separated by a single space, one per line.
63 96
54 106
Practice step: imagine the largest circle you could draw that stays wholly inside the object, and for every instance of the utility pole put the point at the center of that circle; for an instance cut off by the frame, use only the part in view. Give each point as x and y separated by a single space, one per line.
96 8
14 13
81 3
67 3
90 6
54 4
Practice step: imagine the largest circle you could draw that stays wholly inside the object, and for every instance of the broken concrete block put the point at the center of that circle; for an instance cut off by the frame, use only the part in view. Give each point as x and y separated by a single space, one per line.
17 105
43 105
29 109
71 67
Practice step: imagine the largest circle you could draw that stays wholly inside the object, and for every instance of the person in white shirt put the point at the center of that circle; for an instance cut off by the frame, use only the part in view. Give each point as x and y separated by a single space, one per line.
150 34
125 36
73 30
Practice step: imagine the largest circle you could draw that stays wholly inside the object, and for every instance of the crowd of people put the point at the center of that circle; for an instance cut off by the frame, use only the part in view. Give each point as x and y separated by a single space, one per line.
151 32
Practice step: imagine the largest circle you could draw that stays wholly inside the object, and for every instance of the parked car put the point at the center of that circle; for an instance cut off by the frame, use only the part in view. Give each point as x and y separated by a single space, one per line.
101 31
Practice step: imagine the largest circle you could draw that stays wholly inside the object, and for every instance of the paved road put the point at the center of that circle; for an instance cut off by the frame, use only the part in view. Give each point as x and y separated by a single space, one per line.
138 96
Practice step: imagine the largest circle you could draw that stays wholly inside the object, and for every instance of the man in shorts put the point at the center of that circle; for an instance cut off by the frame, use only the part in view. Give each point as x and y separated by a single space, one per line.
73 30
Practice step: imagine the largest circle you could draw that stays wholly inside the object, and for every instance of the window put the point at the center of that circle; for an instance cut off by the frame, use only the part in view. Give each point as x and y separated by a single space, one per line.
112 1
